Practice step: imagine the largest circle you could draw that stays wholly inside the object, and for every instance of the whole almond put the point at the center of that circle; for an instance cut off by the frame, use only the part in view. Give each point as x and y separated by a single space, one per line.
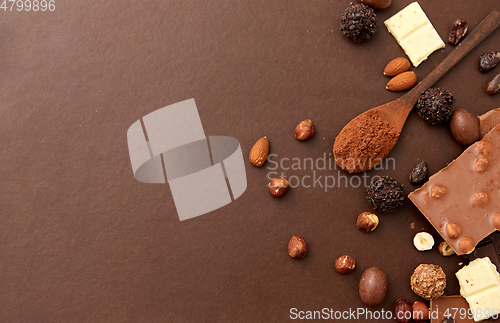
401 82
259 152
397 66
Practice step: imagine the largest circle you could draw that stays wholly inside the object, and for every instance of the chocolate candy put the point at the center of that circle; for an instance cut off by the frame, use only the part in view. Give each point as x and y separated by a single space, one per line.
373 286
488 121
464 127
462 201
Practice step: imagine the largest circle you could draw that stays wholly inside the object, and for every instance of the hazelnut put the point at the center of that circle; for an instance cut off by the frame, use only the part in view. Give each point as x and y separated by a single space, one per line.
484 147
445 249
304 130
278 186
420 311
466 245
481 164
403 310
480 199
423 241
345 264
496 221
438 191
452 230
367 222
297 247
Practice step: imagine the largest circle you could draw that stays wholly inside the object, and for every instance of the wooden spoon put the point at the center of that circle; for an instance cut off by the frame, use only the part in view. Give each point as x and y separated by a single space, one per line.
369 137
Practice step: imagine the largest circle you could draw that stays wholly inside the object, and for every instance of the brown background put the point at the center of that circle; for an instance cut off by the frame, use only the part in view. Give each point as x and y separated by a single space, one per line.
82 241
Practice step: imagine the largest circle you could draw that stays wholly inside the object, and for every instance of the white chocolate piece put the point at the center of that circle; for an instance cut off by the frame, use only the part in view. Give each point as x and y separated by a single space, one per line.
423 241
480 286
414 33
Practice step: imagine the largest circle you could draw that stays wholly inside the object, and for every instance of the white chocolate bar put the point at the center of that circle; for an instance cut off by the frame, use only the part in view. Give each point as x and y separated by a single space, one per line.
414 33
480 286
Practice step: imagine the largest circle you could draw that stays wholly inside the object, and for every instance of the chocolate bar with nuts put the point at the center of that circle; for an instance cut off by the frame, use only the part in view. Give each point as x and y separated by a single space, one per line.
462 201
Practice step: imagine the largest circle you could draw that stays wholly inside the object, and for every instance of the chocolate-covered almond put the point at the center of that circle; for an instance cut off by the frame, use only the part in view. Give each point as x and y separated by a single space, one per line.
373 286
464 127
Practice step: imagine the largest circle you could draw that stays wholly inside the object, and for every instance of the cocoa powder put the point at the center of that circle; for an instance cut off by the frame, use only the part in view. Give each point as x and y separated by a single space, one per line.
364 142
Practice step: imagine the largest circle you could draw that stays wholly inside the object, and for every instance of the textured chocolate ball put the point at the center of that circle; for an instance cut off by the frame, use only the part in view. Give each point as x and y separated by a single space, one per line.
358 22
385 194
435 106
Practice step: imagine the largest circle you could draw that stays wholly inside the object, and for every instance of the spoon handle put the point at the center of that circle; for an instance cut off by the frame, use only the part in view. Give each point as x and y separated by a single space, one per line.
485 27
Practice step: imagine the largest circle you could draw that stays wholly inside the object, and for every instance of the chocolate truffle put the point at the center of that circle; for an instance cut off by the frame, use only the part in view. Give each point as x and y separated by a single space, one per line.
428 281
434 106
358 22
385 194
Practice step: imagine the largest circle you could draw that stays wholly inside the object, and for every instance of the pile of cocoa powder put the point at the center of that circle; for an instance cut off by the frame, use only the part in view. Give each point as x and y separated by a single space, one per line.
358 146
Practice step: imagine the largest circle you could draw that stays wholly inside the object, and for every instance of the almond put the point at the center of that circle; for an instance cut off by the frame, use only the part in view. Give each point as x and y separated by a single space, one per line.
397 66
401 82
259 152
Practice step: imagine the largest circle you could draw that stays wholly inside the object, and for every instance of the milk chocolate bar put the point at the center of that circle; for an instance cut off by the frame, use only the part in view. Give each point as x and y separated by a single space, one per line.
462 201
488 121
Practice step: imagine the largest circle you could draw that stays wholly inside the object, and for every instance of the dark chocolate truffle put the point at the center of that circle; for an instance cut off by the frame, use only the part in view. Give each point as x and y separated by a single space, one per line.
358 22
434 106
385 194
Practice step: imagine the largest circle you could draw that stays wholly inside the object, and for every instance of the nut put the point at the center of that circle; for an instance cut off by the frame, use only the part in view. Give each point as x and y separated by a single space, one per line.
297 247
401 82
377 4
488 61
480 199
423 241
438 191
452 230
466 245
484 147
420 311
403 310
445 249
259 152
419 172
345 264
397 66
494 85
304 130
496 221
458 31
481 164
278 186
367 222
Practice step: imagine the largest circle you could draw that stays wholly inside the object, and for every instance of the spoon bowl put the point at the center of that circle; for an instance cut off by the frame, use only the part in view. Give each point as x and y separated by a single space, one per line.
367 139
